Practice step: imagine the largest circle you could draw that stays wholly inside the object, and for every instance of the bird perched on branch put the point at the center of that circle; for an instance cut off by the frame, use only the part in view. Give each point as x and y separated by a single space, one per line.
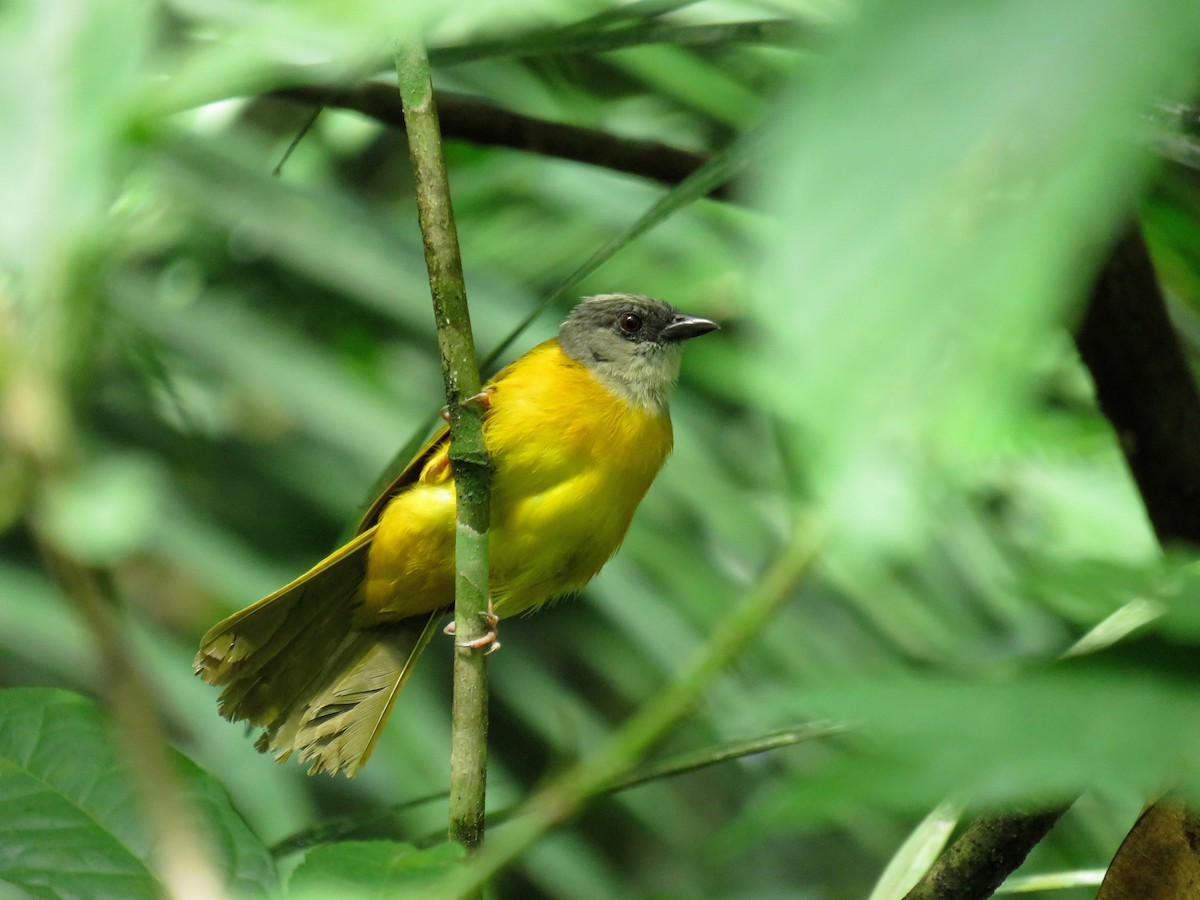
576 430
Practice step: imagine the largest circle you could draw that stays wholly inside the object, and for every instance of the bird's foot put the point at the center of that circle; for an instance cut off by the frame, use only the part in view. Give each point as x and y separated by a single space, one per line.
483 398
490 639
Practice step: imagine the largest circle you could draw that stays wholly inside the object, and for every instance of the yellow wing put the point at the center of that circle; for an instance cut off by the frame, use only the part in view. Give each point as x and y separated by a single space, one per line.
299 664
411 472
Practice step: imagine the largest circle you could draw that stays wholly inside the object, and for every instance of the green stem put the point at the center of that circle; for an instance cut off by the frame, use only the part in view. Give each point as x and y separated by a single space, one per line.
468 747
562 797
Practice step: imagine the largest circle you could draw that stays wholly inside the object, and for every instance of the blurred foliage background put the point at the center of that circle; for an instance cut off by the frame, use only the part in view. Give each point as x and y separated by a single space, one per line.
205 366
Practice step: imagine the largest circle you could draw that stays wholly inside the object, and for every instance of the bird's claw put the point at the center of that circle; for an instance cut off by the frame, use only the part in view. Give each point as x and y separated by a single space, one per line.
483 398
489 639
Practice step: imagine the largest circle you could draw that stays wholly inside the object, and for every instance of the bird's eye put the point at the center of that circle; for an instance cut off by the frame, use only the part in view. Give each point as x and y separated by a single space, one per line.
630 323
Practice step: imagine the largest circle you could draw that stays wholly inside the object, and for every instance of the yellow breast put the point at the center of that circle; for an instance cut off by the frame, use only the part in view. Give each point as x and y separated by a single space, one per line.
571 463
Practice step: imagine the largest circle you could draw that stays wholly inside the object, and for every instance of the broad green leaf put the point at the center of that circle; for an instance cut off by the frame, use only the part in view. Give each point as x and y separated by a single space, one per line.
371 869
70 814
245 47
1041 737
943 186
64 129
38 630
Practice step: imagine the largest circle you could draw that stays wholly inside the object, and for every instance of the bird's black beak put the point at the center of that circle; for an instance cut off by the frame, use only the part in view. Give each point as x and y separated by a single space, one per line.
683 328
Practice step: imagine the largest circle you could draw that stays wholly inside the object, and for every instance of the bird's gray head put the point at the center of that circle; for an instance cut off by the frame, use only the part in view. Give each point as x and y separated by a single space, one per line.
631 343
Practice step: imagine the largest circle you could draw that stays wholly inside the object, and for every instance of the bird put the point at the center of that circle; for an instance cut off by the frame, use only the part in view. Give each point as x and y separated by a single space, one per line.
576 429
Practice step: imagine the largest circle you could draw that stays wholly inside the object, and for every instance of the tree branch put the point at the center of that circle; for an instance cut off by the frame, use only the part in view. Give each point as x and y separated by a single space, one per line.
986 852
480 122
468 751
1145 388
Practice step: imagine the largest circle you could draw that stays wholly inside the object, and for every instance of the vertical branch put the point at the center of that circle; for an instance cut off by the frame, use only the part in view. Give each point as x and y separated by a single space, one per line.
468 750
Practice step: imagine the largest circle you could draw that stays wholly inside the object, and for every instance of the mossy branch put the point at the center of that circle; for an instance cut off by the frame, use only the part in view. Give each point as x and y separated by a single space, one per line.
468 751
980 858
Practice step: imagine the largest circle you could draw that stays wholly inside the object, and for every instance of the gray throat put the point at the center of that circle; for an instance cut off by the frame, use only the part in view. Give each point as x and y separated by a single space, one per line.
642 379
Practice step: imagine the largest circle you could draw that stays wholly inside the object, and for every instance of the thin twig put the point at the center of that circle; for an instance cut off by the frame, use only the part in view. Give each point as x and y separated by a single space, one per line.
356 824
695 760
488 124
295 142
468 752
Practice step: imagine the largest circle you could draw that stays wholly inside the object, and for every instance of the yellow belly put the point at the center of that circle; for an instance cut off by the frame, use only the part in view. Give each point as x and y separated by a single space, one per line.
571 463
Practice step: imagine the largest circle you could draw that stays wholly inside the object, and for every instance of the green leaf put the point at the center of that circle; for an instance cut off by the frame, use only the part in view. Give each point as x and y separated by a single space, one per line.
1052 881
687 79
371 869
918 852
70 812
943 187
63 128
1096 722
577 39
247 47
327 236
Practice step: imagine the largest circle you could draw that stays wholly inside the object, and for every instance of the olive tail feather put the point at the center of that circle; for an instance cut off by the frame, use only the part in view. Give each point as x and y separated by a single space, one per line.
337 728
296 664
